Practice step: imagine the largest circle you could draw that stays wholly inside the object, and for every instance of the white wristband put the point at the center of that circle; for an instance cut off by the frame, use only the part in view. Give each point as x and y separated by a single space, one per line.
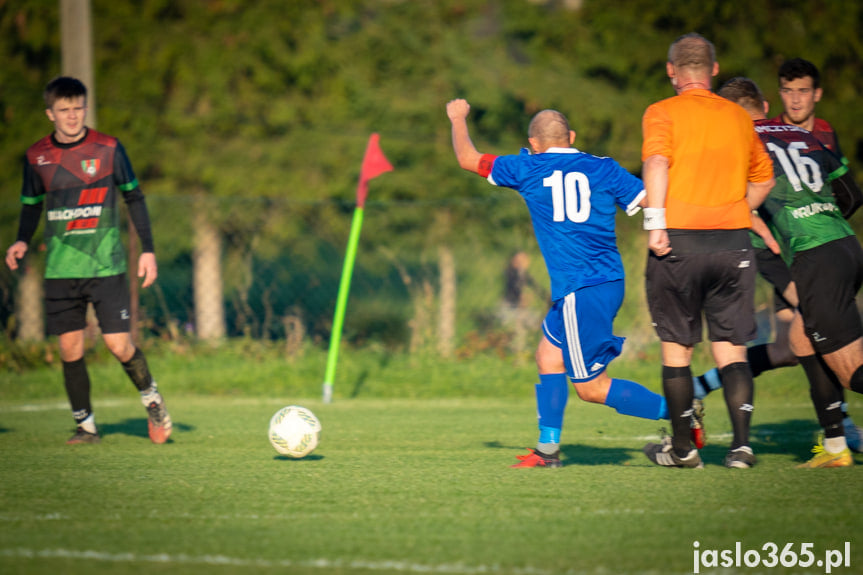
654 218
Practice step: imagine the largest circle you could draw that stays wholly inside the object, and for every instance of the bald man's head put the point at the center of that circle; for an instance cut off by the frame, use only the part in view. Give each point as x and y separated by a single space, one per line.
549 128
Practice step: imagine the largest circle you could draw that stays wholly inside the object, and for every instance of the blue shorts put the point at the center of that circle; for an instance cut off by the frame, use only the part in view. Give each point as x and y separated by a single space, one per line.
581 326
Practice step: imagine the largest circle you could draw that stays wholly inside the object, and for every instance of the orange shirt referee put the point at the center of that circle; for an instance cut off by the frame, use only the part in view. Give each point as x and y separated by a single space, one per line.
704 170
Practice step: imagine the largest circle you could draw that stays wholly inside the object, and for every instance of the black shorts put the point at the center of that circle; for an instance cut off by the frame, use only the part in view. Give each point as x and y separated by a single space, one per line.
66 304
721 285
828 278
775 271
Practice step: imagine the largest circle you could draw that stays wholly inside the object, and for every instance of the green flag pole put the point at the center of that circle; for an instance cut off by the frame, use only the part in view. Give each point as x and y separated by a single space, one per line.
341 303
374 164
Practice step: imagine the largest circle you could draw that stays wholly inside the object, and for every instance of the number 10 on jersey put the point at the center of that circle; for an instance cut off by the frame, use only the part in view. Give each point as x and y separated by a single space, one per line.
570 196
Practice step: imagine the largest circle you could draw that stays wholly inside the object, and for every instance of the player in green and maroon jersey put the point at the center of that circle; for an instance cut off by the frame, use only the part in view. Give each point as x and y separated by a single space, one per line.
77 174
800 89
814 192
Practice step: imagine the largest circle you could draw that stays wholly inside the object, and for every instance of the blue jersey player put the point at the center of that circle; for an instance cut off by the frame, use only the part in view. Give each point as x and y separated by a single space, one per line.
572 198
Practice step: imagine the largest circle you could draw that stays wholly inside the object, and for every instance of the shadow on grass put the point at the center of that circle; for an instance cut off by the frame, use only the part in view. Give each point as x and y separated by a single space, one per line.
793 437
312 457
575 454
137 427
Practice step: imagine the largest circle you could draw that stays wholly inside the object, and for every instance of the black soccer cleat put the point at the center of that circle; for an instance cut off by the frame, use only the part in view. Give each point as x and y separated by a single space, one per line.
83 436
740 458
663 454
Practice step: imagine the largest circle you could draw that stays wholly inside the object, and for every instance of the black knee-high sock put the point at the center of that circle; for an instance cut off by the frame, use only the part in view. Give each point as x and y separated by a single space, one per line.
738 388
857 380
759 359
137 370
677 388
77 382
825 395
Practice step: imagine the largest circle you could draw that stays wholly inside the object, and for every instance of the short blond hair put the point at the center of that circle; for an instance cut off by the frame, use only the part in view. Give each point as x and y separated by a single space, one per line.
692 51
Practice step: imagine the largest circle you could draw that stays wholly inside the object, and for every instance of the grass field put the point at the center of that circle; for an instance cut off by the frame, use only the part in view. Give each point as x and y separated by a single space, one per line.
399 484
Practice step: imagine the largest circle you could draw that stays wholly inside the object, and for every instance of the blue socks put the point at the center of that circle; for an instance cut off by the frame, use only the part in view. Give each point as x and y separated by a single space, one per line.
626 397
552 393
704 384
630 398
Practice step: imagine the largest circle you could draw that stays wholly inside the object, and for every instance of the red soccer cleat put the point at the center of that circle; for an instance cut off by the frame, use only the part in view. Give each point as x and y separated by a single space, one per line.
159 423
696 424
537 459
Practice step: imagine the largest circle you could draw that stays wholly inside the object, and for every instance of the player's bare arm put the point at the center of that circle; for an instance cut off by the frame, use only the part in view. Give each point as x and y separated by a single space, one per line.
760 228
655 176
756 192
15 252
465 152
147 268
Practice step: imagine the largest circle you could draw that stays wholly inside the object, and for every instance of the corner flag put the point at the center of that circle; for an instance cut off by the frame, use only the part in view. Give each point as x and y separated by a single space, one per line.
374 164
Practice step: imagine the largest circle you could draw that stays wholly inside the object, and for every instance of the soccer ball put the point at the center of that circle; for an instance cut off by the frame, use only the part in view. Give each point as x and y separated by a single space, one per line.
294 431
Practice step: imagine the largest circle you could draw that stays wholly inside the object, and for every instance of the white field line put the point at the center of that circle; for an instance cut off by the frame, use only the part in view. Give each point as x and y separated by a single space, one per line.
251 517
353 564
52 406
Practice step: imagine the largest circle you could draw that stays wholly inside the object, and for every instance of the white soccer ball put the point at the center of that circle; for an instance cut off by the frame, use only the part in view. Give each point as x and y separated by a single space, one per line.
294 431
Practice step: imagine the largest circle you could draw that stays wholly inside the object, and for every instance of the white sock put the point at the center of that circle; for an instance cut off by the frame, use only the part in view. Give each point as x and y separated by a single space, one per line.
150 395
89 424
835 444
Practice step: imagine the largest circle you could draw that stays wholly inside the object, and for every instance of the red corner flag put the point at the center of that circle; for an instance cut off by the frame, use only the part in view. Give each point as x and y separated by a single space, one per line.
374 164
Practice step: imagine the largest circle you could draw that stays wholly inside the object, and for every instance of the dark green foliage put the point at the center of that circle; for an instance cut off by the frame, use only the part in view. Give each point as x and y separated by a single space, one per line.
204 91
271 103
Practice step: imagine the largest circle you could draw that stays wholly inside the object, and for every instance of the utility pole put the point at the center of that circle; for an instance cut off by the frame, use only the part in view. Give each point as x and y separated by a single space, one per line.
76 43
76 36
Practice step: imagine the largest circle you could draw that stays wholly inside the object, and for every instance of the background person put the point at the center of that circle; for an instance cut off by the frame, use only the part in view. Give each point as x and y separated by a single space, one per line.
516 313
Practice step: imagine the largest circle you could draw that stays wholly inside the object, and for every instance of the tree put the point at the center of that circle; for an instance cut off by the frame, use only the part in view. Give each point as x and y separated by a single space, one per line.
271 103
